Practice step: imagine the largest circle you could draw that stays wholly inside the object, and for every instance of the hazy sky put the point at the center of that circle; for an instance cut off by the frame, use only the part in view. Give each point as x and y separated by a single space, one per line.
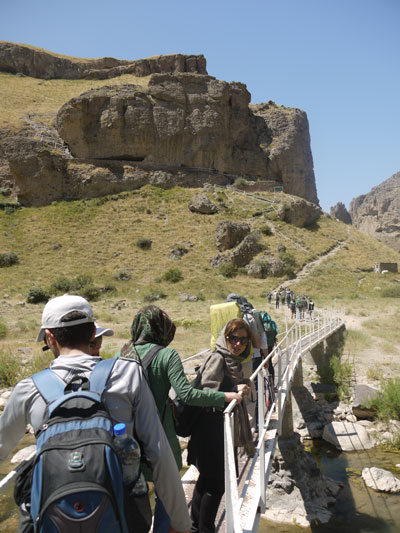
338 60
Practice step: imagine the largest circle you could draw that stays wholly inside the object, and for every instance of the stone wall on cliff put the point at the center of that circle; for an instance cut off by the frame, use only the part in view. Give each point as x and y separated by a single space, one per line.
30 61
378 213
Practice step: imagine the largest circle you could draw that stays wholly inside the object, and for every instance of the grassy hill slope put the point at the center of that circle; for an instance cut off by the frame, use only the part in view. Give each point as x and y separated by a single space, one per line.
99 237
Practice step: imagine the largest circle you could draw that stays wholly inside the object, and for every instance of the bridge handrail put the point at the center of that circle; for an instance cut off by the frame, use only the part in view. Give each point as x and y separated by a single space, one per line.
293 344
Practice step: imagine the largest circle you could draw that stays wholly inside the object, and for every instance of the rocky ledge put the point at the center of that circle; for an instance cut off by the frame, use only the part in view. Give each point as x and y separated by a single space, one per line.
30 61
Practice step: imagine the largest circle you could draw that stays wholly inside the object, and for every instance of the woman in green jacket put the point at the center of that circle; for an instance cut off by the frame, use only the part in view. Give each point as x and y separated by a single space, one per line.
151 326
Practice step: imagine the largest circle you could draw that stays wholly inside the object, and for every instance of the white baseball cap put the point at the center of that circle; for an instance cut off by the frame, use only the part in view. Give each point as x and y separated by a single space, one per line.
103 331
56 309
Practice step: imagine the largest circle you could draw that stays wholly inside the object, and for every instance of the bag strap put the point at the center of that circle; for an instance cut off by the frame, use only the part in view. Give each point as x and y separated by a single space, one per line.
49 385
150 355
100 374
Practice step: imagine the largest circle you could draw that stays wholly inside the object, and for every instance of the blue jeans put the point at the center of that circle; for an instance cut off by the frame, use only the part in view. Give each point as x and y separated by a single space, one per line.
161 518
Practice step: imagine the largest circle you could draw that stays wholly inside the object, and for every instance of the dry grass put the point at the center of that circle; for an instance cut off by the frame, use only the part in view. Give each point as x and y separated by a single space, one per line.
98 237
20 96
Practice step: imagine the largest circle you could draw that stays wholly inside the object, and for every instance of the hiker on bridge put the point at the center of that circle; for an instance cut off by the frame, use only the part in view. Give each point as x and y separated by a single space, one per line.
221 371
96 343
152 331
293 307
311 308
276 299
67 328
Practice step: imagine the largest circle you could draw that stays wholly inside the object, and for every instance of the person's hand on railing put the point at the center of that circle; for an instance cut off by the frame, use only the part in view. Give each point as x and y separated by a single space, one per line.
230 396
244 388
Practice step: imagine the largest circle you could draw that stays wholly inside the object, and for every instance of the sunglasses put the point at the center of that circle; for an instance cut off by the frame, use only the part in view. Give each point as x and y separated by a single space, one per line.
234 339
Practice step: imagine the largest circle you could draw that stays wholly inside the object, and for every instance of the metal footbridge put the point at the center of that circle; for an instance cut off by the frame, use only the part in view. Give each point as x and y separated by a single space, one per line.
245 493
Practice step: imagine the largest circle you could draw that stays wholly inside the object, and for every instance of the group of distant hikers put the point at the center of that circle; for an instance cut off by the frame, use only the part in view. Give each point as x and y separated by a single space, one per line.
298 304
82 406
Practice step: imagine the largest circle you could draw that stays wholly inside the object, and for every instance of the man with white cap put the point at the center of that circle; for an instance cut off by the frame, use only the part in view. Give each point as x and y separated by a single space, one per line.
95 345
67 328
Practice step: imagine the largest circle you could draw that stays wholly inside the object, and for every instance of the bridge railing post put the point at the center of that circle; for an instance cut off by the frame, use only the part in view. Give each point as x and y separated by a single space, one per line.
279 393
232 521
261 418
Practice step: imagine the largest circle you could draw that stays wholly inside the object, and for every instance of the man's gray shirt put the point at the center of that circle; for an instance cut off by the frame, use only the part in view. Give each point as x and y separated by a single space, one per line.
129 400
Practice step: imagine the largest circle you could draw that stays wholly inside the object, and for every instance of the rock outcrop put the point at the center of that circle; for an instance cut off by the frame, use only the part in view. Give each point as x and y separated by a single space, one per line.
229 234
185 128
378 213
283 135
299 212
297 491
200 203
31 61
340 212
347 436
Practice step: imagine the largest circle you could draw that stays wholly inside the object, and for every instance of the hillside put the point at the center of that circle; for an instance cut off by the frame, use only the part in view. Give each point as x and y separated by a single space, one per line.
101 237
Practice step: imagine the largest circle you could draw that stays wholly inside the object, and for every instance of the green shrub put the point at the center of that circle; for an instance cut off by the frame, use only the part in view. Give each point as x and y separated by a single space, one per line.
8 259
342 376
90 292
240 181
61 285
228 270
290 263
266 230
9 370
108 287
144 244
387 402
3 330
82 280
123 275
37 295
173 275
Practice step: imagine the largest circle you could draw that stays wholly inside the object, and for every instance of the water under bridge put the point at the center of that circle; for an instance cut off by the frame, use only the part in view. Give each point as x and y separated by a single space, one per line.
245 495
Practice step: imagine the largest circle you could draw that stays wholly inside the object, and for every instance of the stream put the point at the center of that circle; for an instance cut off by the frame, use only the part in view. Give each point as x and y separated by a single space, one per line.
358 509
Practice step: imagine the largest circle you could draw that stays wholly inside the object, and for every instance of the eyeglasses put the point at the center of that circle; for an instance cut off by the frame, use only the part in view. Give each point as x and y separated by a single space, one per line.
234 339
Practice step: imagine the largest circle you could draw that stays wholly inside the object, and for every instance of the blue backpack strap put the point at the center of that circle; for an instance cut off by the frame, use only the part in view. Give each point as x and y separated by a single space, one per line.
100 374
49 385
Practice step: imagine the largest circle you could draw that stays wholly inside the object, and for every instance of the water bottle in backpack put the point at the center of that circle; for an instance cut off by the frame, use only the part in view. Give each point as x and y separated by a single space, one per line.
128 451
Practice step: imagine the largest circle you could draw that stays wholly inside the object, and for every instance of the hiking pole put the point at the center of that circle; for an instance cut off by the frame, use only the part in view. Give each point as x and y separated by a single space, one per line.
11 475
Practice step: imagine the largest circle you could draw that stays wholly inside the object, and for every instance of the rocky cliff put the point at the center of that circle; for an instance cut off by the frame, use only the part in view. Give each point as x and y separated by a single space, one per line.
30 61
340 212
183 128
378 213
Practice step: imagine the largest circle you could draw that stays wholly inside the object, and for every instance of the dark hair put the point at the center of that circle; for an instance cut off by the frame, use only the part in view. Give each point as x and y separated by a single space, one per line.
235 324
72 336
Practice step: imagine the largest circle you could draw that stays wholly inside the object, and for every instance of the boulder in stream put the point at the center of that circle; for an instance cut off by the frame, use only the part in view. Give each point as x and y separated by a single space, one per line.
380 480
347 436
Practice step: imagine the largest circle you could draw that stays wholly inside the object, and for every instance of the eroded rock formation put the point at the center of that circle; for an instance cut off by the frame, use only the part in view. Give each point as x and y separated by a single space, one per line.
378 213
186 128
30 61
340 212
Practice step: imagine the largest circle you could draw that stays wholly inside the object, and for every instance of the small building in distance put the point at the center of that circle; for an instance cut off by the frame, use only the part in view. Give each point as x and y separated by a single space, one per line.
391 267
